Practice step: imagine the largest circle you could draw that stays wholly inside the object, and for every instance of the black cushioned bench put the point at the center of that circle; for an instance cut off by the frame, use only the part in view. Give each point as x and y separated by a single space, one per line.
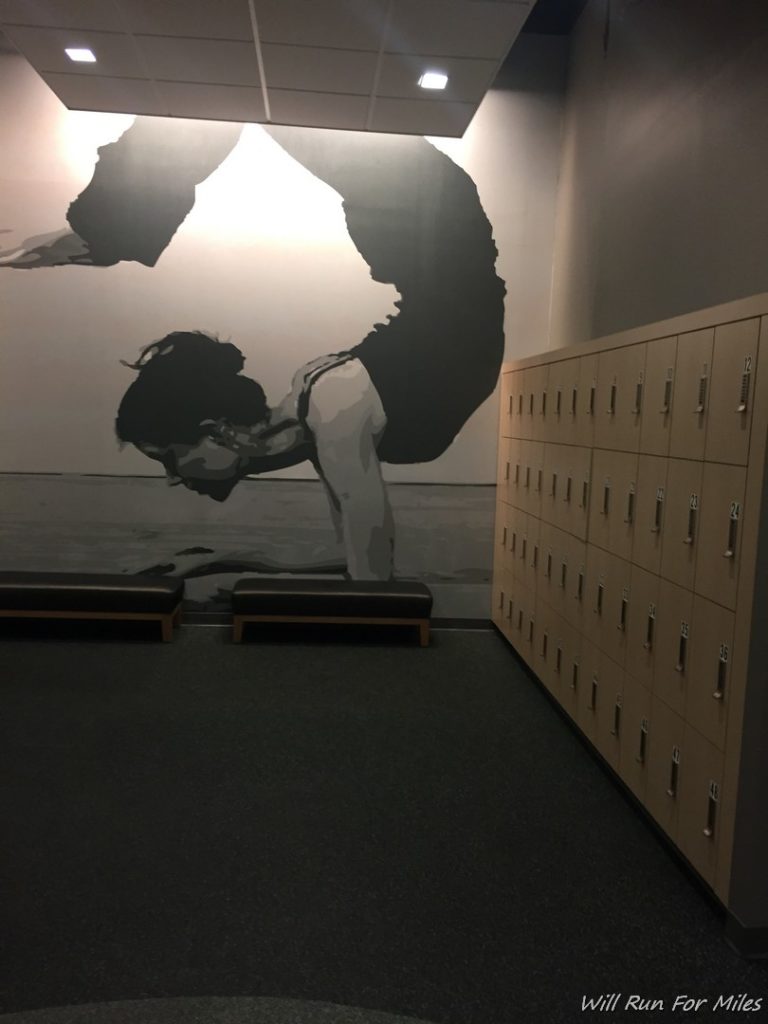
390 603
76 595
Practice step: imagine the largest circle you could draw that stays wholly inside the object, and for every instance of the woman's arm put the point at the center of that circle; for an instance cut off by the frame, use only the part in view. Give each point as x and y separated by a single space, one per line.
346 418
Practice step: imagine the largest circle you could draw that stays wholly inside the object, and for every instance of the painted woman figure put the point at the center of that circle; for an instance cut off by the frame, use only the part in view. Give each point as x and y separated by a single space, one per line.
400 396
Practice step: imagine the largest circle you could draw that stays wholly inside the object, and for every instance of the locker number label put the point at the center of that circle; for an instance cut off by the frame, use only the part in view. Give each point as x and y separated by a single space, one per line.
651 610
694 502
724 653
625 594
684 630
735 510
714 790
747 364
676 755
659 494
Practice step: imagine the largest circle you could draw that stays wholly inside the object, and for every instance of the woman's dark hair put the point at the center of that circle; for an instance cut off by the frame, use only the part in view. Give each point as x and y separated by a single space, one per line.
183 379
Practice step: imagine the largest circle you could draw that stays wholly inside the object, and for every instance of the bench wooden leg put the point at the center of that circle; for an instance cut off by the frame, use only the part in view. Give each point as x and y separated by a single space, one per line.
237 630
177 616
424 633
166 625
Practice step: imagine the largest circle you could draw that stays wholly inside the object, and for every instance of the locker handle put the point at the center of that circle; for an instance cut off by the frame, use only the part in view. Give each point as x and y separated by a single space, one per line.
517 473
513 545
558 400
501 601
568 483
722 670
520 404
667 401
535 559
643 742
744 392
510 606
553 492
524 548
702 395
580 586
599 607
616 717
691 526
623 615
563 573
648 644
584 493
575 676
574 399
548 571
520 619
530 630
611 410
712 798
530 404
504 537
638 398
733 526
510 408
630 516
558 659
538 481
543 403
506 472
592 399
544 645
682 652
673 773
606 499
527 477
593 694
656 528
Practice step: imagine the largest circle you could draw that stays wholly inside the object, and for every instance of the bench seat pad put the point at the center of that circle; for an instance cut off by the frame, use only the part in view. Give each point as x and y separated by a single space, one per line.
95 592
355 599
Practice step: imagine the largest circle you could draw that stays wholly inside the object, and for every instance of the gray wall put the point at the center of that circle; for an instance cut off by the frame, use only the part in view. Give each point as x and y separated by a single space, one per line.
662 206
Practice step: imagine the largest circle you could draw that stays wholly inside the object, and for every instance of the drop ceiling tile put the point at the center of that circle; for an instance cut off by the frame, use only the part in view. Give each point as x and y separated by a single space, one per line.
455 28
95 15
116 95
200 60
422 117
44 49
317 109
467 79
346 24
221 19
307 67
212 102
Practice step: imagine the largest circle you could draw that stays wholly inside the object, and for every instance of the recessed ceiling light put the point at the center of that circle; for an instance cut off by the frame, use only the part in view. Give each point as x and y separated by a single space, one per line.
433 80
80 55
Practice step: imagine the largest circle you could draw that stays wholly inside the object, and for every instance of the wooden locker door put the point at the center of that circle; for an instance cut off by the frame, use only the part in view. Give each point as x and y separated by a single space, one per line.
635 727
615 619
538 410
582 406
610 711
563 377
554 485
503 597
574 490
666 734
650 512
709 688
506 404
546 586
681 522
701 778
570 669
620 385
641 628
693 374
595 594
590 696
674 617
527 558
658 396
734 365
612 507
721 525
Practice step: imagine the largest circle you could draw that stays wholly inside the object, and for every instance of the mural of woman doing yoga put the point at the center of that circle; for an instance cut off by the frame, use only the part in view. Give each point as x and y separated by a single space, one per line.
399 396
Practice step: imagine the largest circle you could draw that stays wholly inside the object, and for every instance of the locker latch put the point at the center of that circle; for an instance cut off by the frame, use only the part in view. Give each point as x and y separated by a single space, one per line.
733 529
693 506
712 802
656 528
617 716
643 741
722 671
682 650
674 771
667 401
744 390
649 627
702 393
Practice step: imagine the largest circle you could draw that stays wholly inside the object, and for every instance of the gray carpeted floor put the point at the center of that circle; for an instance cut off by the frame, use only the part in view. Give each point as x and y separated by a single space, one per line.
360 823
